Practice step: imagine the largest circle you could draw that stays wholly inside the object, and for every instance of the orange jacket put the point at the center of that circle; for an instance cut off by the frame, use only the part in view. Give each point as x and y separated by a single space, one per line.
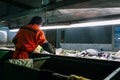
27 39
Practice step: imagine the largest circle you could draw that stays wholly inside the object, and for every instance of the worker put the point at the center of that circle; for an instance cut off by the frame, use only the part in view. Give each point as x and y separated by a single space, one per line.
28 38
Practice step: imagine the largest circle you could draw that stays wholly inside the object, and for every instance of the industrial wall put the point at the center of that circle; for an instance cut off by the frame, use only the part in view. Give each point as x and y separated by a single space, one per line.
96 35
10 36
3 36
88 35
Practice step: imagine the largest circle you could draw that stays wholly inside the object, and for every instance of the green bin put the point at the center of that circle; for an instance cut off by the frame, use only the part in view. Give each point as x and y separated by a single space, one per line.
5 54
93 69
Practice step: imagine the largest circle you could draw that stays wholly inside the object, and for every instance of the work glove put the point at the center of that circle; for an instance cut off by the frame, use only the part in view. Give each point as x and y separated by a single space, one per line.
48 47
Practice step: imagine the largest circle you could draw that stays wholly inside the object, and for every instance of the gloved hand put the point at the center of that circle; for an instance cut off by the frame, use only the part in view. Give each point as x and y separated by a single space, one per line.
75 77
48 47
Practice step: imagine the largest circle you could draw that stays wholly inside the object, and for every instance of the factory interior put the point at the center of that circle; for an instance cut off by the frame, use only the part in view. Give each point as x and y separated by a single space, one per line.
85 35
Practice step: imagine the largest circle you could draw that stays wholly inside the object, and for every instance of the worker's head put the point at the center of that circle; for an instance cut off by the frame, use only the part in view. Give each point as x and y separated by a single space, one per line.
36 20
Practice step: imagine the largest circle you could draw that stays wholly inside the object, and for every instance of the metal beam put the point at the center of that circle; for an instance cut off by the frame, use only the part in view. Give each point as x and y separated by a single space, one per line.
44 8
108 17
18 4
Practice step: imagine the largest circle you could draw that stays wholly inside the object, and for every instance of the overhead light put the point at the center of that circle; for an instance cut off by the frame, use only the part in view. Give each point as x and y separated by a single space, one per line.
87 24
54 27
14 30
98 23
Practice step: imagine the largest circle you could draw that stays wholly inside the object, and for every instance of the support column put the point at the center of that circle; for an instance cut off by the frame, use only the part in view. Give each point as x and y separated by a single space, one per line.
58 38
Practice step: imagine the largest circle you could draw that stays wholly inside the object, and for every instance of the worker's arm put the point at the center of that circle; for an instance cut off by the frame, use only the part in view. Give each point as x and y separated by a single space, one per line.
44 43
48 47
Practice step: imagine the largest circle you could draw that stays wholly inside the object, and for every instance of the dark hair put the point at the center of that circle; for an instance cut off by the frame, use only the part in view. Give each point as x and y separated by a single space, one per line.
36 20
